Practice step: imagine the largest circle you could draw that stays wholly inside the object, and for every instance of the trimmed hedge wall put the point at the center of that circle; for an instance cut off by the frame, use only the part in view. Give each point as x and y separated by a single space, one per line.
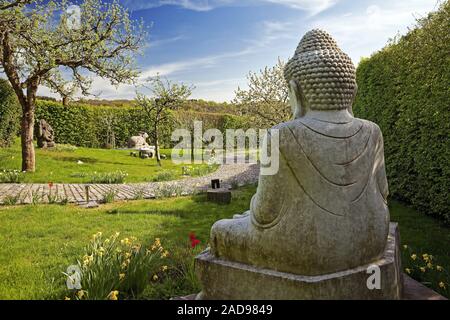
405 89
88 126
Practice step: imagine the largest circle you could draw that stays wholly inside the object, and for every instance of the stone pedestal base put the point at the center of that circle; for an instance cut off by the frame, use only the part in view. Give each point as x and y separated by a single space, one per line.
227 280
219 195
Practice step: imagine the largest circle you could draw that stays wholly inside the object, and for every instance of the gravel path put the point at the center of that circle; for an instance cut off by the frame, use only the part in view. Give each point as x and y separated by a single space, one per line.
229 174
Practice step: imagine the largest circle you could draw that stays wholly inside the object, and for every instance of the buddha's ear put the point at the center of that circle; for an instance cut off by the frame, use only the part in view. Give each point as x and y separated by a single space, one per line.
350 107
297 99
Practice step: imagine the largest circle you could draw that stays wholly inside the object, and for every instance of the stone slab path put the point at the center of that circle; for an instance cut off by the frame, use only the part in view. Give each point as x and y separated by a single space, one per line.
229 174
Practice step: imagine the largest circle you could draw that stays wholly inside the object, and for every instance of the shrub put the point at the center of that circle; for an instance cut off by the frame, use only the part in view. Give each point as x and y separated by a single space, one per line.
9 114
11 200
63 148
165 175
11 176
168 190
115 177
404 89
138 193
200 170
113 268
110 196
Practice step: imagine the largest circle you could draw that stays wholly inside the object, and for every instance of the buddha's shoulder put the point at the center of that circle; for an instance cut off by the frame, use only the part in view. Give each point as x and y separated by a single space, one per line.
357 125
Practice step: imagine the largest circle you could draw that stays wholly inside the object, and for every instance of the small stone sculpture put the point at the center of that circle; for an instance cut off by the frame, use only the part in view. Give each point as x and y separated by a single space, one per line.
45 138
139 141
317 226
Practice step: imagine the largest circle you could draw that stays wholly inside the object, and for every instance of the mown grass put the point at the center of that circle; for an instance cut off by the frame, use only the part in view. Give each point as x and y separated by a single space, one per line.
62 166
40 242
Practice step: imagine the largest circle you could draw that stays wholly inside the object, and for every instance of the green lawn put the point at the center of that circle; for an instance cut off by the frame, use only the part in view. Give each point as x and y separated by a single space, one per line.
63 166
39 242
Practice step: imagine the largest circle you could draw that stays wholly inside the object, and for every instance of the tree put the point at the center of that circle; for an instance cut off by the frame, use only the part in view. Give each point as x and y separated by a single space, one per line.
167 97
9 114
54 44
266 99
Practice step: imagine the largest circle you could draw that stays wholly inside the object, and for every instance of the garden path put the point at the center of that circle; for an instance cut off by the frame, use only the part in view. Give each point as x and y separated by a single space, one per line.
229 174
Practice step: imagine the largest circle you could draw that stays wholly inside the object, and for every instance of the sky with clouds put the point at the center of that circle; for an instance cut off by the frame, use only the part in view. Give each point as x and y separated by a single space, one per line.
212 44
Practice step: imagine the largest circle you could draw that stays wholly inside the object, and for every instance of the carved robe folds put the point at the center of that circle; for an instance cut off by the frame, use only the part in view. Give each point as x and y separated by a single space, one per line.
325 209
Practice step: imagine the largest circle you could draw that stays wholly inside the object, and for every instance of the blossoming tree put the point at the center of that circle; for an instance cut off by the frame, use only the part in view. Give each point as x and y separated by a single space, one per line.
60 46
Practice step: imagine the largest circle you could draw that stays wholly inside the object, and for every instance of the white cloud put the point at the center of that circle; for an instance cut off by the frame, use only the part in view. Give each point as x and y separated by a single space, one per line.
162 42
311 6
361 34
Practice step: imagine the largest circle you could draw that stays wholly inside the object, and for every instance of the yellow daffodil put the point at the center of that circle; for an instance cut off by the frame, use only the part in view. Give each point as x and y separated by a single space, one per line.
97 235
414 256
155 277
425 257
441 285
80 294
87 259
66 298
439 268
405 246
121 276
408 270
113 295
422 269
165 254
164 268
429 265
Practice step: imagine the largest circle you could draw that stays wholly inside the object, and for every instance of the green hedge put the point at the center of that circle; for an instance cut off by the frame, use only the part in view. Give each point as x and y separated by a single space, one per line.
405 89
10 112
87 126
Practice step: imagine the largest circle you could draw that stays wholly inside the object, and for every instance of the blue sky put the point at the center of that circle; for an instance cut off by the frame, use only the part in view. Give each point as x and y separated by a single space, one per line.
213 44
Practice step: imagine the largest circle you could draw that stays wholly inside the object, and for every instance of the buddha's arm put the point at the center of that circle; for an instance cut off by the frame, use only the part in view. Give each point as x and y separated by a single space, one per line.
381 169
266 204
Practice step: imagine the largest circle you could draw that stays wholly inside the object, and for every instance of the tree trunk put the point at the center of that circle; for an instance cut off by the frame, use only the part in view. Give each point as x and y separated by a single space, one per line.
27 126
27 134
158 157
192 148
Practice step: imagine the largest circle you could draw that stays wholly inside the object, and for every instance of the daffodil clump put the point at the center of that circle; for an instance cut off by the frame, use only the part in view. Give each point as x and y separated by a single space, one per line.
119 268
424 268
11 176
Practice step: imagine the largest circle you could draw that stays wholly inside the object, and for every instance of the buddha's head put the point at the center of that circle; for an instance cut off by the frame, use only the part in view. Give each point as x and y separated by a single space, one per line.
320 76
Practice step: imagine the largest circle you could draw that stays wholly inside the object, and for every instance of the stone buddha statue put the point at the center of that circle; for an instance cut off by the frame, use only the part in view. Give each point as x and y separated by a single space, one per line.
324 212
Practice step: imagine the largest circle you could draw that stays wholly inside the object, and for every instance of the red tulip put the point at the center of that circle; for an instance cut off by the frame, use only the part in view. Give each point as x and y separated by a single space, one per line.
50 185
194 240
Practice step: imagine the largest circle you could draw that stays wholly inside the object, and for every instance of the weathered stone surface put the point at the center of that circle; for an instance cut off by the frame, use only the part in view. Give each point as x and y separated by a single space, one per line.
227 280
139 141
219 195
325 210
45 137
